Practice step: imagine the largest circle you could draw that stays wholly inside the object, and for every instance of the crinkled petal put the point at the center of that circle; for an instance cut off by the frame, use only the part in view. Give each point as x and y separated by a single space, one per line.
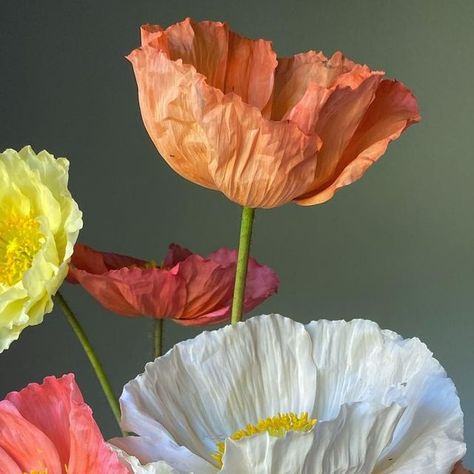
162 448
304 82
269 370
57 409
217 140
257 162
393 109
24 443
136 291
90 260
208 286
349 444
135 466
229 62
357 361
261 283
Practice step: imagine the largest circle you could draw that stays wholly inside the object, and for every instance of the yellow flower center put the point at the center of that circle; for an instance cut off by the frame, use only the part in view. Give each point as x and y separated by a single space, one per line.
20 240
276 426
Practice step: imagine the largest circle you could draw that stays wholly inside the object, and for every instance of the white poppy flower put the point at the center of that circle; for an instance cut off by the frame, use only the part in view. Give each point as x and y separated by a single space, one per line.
273 396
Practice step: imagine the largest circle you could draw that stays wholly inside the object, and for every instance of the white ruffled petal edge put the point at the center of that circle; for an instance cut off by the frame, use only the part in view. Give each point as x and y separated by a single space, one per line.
357 361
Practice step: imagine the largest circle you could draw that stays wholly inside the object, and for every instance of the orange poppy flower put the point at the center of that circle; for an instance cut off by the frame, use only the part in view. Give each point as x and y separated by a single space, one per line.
187 288
227 114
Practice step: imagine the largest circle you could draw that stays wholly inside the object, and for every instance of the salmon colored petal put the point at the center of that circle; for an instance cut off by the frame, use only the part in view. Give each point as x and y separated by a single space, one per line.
257 162
23 442
338 120
49 427
47 406
7 464
209 286
250 69
136 291
393 109
230 62
304 82
217 140
210 282
89 452
168 96
261 283
88 259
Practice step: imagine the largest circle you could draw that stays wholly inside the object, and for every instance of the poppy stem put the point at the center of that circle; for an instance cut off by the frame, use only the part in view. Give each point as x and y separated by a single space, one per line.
158 337
91 354
246 224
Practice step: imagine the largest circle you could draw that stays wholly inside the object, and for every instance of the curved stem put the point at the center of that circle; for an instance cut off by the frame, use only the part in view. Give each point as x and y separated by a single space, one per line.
92 356
158 337
242 264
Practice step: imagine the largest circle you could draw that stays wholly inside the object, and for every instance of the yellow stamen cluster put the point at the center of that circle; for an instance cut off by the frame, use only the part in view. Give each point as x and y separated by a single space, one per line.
20 240
276 426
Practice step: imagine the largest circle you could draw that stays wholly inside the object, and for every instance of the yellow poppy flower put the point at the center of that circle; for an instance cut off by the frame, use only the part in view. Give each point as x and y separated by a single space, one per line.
39 224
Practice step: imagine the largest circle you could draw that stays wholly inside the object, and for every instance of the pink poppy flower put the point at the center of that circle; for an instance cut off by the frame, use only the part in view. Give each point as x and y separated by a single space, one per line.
187 288
48 429
227 114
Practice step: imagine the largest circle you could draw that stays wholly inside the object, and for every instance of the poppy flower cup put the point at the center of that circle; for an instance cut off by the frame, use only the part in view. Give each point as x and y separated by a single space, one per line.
226 113
187 288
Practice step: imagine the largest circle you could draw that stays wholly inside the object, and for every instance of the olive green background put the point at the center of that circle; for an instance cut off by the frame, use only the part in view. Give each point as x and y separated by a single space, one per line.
396 247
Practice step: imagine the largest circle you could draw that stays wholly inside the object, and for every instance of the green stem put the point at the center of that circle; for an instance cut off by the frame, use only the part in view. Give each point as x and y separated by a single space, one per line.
242 264
158 337
93 359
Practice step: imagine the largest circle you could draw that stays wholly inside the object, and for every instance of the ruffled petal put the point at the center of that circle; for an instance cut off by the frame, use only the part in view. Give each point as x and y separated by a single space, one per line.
208 286
349 444
229 62
57 409
357 361
393 109
257 162
162 448
304 82
24 443
135 466
89 452
269 370
168 93
265 454
261 283
217 140
136 291
48 406
90 260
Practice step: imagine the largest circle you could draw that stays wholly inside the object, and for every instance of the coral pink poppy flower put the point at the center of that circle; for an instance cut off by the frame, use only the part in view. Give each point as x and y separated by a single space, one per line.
48 429
188 288
227 114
